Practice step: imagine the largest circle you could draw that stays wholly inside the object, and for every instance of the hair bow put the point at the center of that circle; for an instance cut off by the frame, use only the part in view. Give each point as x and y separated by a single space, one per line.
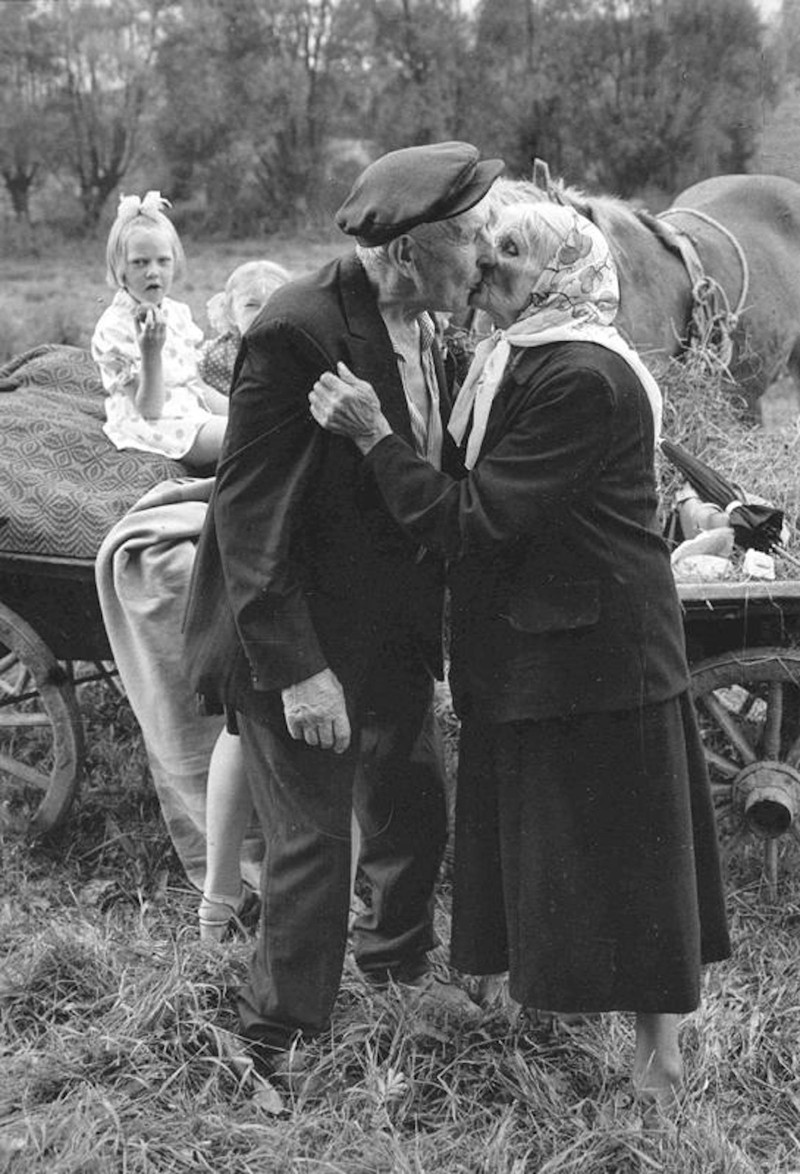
151 204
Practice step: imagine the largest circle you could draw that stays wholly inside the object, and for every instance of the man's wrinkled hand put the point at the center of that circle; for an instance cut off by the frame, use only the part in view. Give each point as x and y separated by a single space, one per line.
316 713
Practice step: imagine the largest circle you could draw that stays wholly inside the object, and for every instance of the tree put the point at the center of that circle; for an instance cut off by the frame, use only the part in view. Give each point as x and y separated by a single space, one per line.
622 93
28 76
106 57
418 71
517 99
258 148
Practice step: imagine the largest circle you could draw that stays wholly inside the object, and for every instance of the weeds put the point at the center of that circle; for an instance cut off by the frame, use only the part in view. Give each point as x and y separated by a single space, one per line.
118 1049
60 298
118 1046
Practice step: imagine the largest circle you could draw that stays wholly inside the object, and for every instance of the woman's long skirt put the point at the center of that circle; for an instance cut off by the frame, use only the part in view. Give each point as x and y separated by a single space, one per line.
586 860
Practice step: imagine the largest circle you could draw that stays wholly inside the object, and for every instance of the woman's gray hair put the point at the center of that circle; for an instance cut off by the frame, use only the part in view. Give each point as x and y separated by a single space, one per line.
539 234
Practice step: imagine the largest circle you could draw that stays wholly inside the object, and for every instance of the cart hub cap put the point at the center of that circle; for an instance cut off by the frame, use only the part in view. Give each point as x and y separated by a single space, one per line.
768 795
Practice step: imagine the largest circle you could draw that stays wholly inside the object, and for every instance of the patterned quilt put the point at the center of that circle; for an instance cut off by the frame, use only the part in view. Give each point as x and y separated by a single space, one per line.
63 485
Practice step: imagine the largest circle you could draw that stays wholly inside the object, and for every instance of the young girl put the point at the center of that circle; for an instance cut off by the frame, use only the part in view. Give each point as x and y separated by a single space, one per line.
145 344
230 312
226 900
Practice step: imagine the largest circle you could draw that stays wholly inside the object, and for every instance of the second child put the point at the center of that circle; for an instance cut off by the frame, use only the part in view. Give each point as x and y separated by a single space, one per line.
231 311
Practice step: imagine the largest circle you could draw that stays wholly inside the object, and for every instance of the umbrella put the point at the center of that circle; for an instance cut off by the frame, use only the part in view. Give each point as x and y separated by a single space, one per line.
755 524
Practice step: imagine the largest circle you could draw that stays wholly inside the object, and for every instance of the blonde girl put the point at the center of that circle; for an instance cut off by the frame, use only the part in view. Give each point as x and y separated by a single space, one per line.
231 311
145 344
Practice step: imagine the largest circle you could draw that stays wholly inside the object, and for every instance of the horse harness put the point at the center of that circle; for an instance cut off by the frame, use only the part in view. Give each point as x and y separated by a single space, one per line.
712 322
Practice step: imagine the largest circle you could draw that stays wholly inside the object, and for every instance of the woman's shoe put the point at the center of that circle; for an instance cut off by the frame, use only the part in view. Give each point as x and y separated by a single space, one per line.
218 920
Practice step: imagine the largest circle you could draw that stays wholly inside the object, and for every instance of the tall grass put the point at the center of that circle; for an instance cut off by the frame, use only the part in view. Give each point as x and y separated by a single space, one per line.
118 1046
57 297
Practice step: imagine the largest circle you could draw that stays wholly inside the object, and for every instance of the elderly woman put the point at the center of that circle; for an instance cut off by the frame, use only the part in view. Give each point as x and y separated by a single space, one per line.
586 857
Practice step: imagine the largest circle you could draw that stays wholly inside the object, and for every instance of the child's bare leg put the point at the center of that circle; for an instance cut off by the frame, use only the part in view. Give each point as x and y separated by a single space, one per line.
657 1065
208 442
228 813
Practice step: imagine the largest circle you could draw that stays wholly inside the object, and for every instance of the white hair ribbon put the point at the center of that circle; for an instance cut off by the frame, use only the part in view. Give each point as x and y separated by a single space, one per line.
149 205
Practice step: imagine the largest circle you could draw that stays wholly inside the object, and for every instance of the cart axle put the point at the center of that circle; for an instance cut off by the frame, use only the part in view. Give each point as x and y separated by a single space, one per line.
768 795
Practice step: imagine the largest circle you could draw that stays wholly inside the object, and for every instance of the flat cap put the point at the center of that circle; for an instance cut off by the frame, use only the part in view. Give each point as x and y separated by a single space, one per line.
415 185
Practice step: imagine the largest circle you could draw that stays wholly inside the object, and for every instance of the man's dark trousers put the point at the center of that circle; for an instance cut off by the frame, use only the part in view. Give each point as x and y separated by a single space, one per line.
394 777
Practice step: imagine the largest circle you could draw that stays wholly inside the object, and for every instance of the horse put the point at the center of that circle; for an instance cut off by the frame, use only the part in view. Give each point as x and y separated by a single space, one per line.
718 270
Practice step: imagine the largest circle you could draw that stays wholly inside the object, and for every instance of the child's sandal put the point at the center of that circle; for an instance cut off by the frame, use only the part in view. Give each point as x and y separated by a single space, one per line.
219 919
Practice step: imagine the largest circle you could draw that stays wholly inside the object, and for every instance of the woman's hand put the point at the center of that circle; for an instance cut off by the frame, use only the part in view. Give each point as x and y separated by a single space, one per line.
346 405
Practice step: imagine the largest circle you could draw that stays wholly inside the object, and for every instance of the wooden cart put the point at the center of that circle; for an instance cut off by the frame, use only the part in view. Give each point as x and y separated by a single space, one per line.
52 641
62 487
743 642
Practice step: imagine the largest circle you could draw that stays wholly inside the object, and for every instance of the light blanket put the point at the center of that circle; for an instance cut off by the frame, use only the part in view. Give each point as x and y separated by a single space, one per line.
143 570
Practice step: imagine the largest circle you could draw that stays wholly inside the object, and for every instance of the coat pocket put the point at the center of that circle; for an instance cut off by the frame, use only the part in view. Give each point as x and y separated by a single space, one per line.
554 607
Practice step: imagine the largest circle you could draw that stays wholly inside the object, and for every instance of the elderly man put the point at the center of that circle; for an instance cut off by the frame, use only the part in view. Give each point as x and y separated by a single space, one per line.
314 620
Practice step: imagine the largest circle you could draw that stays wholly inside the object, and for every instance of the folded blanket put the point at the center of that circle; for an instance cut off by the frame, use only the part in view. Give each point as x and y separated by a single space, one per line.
63 484
142 570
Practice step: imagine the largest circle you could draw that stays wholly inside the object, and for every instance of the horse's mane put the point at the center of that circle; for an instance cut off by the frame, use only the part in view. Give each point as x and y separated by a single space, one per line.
604 211
511 191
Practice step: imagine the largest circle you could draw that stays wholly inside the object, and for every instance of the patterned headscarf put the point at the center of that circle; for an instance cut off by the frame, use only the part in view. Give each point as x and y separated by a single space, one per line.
574 298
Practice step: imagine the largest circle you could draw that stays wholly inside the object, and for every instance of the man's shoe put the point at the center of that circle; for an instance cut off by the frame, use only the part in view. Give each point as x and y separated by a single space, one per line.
431 995
291 1070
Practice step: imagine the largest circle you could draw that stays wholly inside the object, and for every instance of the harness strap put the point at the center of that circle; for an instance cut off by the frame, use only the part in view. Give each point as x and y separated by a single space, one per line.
713 321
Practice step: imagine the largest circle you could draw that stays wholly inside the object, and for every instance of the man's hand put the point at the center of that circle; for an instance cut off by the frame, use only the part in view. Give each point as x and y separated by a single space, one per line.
315 712
347 405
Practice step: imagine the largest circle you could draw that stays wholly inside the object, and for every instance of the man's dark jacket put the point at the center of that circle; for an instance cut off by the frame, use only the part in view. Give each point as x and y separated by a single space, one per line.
300 565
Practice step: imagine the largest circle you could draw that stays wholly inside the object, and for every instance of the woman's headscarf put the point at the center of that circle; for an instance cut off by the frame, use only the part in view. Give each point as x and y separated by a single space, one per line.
574 298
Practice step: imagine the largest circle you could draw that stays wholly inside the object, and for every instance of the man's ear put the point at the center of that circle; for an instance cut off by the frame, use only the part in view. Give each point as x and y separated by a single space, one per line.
401 251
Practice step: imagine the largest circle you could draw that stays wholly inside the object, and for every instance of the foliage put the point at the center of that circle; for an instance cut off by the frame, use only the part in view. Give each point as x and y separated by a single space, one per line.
118 1048
256 111
28 71
257 149
117 1025
626 93
58 294
419 72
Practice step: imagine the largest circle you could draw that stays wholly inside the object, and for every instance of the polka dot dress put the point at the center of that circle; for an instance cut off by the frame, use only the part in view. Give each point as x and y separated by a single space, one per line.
217 357
116 351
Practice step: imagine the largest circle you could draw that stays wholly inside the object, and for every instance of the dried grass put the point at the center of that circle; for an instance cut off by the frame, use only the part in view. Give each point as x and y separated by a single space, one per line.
118 1049
112 1060
59 296
117 1026
704 413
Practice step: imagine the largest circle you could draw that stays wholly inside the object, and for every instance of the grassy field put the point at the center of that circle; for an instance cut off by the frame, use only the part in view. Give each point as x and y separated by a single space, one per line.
58 296
118 1052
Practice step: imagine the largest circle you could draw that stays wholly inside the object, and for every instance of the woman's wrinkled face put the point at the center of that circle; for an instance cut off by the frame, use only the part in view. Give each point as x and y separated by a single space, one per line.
506 289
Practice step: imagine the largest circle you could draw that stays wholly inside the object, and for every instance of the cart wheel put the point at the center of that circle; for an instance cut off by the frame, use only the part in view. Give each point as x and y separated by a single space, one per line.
748 705
41 735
